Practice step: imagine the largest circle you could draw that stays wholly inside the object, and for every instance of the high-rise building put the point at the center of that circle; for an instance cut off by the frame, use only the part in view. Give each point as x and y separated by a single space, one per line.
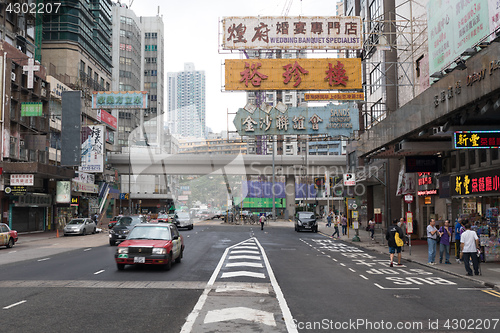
186 102
76 47
152 30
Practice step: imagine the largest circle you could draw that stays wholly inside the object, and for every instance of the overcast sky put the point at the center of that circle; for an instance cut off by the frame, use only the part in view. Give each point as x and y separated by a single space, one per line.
191 35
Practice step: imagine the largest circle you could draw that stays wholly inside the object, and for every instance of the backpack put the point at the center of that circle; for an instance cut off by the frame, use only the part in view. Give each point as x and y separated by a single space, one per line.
399 241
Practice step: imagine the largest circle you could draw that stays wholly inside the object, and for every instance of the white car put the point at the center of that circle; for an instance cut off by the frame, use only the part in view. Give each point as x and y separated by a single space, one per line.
80 226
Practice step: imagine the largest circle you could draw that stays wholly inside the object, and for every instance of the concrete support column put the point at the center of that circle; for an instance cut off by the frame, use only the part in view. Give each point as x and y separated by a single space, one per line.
290 197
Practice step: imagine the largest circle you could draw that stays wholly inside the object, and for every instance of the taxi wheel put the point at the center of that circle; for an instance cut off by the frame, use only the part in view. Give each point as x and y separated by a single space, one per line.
120 267
10 244
112 242
168 266
179 258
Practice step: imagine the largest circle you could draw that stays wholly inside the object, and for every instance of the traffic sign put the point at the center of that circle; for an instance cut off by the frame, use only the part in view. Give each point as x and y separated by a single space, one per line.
408 198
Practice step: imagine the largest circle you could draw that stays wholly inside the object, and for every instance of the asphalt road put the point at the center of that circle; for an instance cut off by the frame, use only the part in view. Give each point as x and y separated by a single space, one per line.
235 279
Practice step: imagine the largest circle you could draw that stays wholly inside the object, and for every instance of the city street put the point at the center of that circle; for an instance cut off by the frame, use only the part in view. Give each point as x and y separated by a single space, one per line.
234 278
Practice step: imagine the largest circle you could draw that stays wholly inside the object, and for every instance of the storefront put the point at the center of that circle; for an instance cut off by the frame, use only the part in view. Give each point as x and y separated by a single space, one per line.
476 199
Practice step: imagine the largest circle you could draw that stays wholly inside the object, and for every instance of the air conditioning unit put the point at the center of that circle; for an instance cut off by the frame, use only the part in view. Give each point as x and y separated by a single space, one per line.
13 76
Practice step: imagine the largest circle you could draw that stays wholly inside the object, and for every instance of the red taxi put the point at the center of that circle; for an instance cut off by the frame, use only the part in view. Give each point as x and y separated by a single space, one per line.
151 244
8 237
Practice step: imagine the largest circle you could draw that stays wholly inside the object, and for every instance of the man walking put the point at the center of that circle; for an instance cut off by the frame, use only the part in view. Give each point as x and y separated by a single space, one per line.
391 241
336 227
262 219
469 244
329 219
432 234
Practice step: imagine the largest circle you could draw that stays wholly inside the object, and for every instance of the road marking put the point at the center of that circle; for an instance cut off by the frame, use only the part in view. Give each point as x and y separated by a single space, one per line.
13 305
478 289
244 264
285 310
492 293
43 259
191 318
244 252
352 270
243 273
364 277
244 257
334 259
259 316
342 264
378 285
87 249
246 247
258 290
99 272
12 252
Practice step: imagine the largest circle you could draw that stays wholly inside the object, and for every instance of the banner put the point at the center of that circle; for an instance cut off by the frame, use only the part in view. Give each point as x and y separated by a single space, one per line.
292 32
293 74
120 99
92 153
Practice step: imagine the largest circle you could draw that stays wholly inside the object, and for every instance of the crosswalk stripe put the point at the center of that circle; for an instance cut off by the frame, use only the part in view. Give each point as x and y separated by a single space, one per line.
243 273
244 252
244 264
244 257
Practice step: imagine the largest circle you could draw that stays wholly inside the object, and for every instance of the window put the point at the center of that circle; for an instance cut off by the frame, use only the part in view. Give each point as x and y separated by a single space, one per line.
377 112
375 78
472 156
82 66
89 71
482 155
152 97
122 33
494 153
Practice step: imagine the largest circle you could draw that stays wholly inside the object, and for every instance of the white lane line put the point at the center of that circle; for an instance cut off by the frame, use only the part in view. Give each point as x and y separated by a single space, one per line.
352 270
87 249
334 259
13 305
43 259
258 290
364 277
12 252
246 247
243 273
244 252
378 285
99 272
244 257
285 310
244 264
191 318
342 264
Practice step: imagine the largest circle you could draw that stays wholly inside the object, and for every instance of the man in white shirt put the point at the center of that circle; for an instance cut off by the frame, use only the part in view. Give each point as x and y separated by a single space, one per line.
469 243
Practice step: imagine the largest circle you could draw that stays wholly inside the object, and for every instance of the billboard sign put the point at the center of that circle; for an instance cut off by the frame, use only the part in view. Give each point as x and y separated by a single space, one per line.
355 96
292 32
453 27
63 192
31 109
333 120
476 139
107 118
422 163
119 99
22 179
477 183
293 74
92 153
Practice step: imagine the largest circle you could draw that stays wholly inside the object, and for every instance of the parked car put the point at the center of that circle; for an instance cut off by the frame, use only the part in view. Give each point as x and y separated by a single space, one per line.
205 215
306 221
80 226
151 244
113 221
123 227
217 214
183 220
8 237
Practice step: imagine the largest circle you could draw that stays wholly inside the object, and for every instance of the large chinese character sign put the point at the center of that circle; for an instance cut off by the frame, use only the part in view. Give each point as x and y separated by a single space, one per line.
332 120
476 139
92 153
293 74
312 33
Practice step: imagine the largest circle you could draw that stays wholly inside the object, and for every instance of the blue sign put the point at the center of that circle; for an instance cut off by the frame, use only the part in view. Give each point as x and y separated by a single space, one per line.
124 196
332 120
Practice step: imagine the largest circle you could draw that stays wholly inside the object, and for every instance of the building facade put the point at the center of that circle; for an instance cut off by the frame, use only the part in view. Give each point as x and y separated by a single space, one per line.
186 102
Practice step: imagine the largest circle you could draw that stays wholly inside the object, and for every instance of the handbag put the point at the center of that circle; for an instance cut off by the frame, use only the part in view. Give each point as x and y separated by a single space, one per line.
399 241
438 238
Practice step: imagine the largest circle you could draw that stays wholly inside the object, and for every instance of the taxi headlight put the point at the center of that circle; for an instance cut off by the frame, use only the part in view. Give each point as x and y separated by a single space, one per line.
159 250
122 250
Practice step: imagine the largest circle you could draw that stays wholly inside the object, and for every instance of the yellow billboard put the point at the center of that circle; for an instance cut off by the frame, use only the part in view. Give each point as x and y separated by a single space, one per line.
293 74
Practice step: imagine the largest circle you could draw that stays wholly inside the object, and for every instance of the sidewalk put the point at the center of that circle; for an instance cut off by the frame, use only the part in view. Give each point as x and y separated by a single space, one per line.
490 270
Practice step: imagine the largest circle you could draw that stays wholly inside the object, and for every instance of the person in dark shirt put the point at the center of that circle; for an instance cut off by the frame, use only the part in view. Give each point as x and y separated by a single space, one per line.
391 240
